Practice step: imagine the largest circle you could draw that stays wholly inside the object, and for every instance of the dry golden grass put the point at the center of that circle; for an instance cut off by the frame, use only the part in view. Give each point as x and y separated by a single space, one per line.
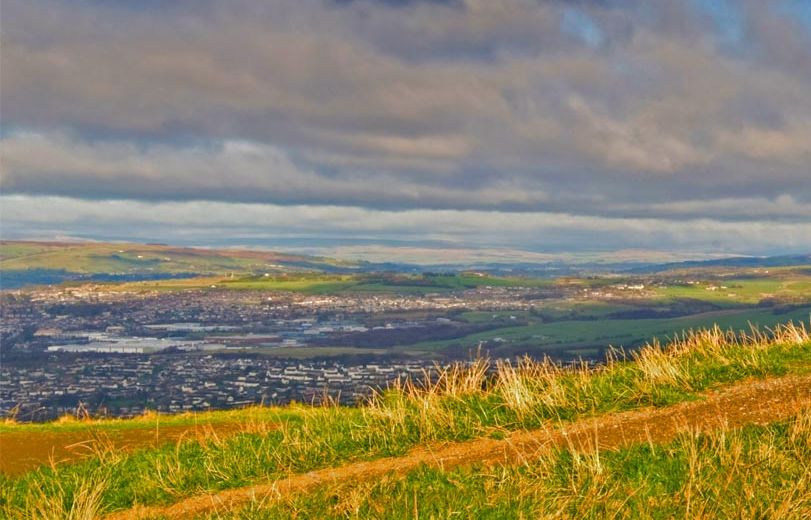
78 500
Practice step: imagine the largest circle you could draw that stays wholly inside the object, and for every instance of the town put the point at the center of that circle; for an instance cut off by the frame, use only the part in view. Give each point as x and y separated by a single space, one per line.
124 386
113 349
99 350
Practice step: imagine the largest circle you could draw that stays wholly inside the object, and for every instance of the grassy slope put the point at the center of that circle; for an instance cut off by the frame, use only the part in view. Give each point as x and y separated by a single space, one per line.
90 258
755 472
463 404
108 258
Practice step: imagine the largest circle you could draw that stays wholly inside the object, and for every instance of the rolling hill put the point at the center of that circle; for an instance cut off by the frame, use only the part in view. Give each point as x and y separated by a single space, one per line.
24 263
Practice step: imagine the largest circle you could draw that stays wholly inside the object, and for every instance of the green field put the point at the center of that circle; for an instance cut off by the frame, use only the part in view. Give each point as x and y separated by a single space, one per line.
335 284
417 284
539 337
737 291
312 284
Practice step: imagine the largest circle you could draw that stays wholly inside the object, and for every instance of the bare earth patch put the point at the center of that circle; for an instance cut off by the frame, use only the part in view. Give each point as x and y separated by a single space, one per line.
25 450
751 402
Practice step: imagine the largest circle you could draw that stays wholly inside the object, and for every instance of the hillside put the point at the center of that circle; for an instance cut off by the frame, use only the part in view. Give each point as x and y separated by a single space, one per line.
22 263
713 425
732 262
25 263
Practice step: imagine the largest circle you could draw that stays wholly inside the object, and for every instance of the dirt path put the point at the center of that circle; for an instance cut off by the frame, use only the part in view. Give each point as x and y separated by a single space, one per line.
752 402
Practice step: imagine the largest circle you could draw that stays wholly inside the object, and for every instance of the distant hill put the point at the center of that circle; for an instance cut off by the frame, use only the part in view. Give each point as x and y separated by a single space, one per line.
732 262
35 263
26 263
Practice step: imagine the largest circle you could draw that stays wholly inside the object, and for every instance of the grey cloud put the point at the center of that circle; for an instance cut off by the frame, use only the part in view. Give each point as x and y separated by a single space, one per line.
315 80
198 222
233 170
456 105
249 171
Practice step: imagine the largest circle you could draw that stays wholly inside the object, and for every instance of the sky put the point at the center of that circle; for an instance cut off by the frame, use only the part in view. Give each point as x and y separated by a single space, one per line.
533 126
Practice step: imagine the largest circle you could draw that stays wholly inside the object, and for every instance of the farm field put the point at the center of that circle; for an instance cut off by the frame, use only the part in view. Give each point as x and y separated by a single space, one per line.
747 289
736 291
335 284
566 335
418 284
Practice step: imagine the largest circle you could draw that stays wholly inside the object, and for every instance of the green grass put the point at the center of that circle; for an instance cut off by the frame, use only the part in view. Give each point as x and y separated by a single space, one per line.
97 258
15 250
741 291
558 310
754 472
313 284
464 403
617 332
151 420
418 284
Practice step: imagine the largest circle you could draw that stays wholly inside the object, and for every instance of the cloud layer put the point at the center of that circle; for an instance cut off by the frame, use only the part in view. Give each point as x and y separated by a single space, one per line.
204 222
674 112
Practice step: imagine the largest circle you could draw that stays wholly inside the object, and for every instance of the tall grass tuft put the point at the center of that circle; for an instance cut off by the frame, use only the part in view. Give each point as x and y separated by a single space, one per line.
83 502
74 497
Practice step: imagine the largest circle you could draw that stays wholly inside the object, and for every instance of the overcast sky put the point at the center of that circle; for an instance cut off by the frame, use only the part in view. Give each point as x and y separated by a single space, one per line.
539 125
